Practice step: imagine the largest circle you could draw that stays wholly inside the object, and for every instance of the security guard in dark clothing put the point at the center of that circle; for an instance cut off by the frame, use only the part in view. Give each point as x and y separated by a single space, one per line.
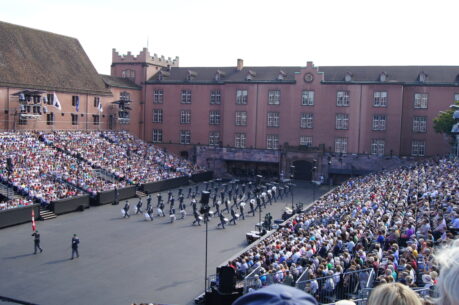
36 242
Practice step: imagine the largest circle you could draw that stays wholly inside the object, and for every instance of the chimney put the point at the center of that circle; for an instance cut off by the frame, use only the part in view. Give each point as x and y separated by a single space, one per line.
240 64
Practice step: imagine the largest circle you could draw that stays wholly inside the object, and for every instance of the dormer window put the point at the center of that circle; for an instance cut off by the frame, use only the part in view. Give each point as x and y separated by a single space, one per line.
422 77
191 75
383 77
250 75
348 77
281 75
219 75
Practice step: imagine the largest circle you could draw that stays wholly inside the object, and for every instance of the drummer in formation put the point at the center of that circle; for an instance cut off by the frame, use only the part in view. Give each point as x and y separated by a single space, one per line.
225 198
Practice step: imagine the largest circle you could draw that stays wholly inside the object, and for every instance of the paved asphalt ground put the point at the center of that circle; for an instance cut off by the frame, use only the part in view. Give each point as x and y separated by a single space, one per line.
122 261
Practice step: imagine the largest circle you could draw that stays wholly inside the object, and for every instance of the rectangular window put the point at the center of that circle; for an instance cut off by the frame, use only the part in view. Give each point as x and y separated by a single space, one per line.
341 145
214 117
272 141
158 96
186 97
74 119
185 117
215 97
75 100
157 136
307 98
96 101
214 138
456 97
96 119
22 120
420 124
273 119
274 97
50 99
306 120
342 121
380 99
379 122
418 148
241 118
240 140
377 147
185 136
421 100
157 115
305 141
342 98
241 97
125 96
50 118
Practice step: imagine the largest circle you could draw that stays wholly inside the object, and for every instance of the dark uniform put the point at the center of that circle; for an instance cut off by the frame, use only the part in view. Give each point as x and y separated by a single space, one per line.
222 221
233 216
196 218
126 209
36 242
75 243
139 206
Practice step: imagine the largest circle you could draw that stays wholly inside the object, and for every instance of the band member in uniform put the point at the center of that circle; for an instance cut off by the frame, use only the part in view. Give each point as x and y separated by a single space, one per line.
241 210
172 215
126 209
160 198
189 192
169 196
36 242
161 210
222 221
193 205
149 212
252 206
233 216
139 206
149 201
182 209
226 206
196 218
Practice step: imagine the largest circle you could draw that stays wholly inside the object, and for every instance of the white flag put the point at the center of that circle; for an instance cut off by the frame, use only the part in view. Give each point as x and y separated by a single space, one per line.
99 107
56 102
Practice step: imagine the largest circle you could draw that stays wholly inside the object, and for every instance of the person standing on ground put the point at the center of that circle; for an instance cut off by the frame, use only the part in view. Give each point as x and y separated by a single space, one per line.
75 243
126 209
36 242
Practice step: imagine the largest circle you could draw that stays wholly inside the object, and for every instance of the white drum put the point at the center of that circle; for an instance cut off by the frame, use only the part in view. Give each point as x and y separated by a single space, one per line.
123 213
225 219
147 217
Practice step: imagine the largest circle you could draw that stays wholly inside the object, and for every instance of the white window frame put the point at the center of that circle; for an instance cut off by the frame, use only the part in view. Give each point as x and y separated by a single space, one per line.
158 96
214 117
214 138
307 98
307 120
157 115
342 98
185 136
377 147
306 141
379 122
241 118
157 136
185 116
240 140
420 124
273 119
185 97
421 100
341 145
272 141
241 97
215 97
380 99
418 148
342 121
274 97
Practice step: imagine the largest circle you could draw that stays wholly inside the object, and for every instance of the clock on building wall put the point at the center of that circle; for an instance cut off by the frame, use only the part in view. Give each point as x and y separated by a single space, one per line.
308 77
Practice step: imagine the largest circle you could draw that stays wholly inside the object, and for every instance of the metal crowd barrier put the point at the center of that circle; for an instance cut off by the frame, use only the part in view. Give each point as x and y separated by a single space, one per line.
348 285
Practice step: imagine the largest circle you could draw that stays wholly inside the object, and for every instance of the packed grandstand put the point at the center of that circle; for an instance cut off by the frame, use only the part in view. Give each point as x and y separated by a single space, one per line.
380 228
54 165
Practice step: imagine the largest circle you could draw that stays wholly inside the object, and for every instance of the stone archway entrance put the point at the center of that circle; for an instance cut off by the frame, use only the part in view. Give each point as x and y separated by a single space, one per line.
303 169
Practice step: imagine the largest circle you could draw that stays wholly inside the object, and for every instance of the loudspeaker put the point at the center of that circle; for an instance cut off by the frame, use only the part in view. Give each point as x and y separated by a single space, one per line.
205 196
227 279
216 297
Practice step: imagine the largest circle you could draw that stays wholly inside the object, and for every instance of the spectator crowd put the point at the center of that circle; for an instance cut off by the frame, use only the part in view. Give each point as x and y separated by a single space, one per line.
49 166
381 228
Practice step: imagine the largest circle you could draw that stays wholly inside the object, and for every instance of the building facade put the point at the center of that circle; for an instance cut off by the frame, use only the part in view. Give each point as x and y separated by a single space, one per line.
257 118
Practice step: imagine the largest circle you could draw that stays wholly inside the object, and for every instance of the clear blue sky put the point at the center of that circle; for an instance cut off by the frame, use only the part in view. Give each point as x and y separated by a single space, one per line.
262 32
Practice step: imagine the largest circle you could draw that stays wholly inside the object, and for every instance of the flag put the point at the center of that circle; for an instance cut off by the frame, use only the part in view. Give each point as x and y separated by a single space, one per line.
34 227
77 103
99 107
56 102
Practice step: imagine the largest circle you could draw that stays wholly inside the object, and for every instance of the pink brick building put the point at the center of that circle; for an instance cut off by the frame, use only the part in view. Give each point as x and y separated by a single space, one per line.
349 119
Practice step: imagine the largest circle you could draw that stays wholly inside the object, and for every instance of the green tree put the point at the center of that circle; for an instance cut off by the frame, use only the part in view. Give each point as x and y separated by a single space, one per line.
444 122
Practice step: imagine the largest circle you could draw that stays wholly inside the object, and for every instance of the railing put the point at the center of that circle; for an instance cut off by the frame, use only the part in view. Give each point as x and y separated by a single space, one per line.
348 285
